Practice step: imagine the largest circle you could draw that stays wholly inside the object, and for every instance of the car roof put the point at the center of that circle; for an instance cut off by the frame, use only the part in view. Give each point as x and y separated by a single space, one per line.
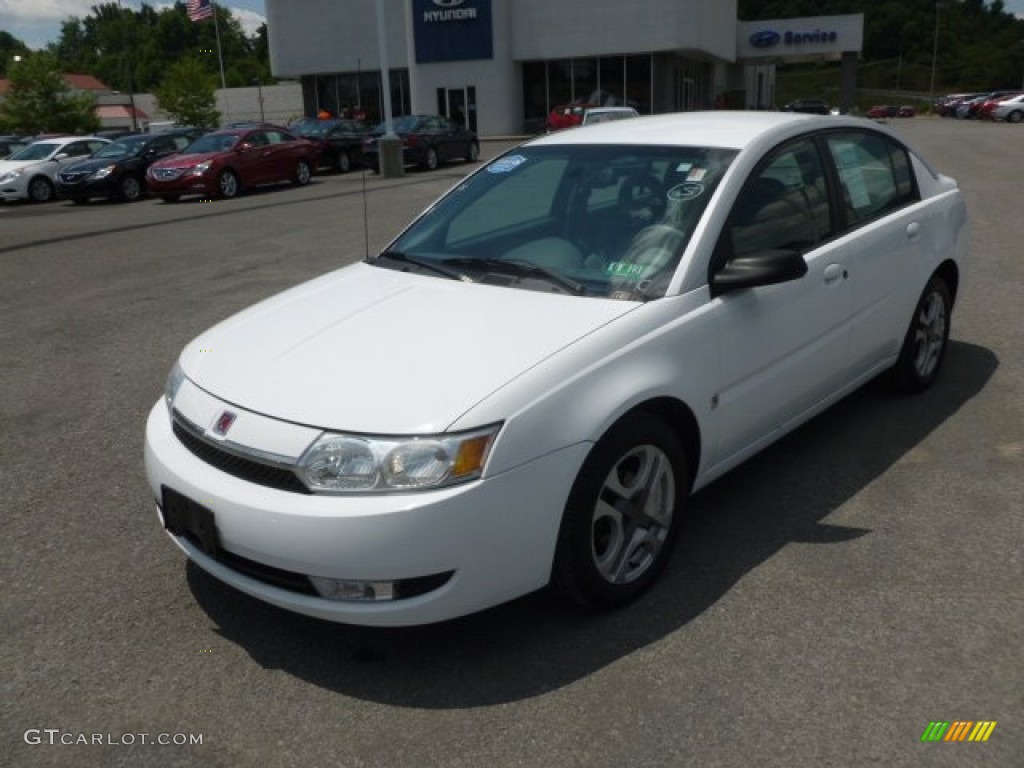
720 128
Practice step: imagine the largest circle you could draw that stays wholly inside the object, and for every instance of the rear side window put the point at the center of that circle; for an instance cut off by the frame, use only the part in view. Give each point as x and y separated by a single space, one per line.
874 174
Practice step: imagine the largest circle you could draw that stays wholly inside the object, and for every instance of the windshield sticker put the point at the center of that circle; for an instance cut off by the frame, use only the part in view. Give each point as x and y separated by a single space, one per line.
697 174
688 190
506 164
627 271
683 167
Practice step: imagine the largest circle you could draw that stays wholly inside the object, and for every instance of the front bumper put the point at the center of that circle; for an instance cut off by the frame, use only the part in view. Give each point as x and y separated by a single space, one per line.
496 535
105 187
186 184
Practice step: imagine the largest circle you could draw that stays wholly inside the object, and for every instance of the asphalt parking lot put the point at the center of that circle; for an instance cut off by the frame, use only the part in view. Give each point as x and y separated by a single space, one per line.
828 600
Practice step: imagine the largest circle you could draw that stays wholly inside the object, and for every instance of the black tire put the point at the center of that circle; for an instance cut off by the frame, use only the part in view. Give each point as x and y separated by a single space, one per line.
303 174
227 184
430 160
1015 117
622 517
343 163
924 346
130 189
473 152
170 198
40 190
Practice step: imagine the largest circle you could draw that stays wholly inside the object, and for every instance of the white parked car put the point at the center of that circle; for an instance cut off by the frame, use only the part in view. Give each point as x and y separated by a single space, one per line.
30 173
1011 110
526 385
595 115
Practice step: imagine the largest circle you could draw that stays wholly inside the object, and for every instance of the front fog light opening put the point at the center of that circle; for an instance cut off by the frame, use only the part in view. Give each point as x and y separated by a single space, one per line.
354 590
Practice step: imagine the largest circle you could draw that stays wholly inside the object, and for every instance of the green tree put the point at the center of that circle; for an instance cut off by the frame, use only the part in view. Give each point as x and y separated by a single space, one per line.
187 94
40 101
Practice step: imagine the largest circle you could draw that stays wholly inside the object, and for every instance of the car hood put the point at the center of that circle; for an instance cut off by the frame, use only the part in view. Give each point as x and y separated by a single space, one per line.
185 161
372 350
96 164
6 166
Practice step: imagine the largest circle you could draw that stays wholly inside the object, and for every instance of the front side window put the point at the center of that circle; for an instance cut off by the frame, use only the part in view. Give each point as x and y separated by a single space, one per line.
874 173
613 221
784 205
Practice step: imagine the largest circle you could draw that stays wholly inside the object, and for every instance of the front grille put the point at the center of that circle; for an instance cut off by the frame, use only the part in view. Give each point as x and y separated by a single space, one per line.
166 174
70 178
238 466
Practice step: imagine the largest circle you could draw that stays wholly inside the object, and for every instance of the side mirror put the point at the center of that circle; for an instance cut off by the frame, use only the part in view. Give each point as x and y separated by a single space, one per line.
62 156
760 268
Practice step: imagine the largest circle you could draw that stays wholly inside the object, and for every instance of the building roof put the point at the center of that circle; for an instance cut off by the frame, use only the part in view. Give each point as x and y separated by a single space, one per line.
115 111
74 81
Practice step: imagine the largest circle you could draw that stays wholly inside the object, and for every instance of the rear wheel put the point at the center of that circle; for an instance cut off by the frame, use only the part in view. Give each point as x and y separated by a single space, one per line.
344 163
227 183
40 190
130 189
302 174
924 346
473 153
430 159
622 517
1015 116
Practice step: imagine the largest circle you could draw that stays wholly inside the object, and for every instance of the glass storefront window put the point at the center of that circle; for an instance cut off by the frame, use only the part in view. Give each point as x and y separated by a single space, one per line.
638 82
584 80
611 71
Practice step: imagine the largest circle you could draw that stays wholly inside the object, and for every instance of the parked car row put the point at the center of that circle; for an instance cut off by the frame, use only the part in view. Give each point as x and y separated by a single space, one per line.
990 105
890 110
187 161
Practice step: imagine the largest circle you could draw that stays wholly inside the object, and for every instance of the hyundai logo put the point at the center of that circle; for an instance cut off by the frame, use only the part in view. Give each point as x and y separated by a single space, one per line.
766 38
448 3
223 423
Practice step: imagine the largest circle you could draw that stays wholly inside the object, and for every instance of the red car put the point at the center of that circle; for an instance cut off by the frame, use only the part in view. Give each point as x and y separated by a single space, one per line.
567 115
224 163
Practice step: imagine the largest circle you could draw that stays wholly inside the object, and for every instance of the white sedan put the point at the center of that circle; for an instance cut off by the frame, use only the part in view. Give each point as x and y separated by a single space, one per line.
30 173
524 387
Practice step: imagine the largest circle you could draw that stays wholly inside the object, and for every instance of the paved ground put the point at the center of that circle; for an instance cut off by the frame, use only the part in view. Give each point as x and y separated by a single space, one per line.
829 599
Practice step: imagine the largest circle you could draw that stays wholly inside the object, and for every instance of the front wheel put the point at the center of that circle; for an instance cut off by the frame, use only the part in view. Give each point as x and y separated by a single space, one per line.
130 189
473 153
227 184
40 190
344 163
1015 116
924 346
622 517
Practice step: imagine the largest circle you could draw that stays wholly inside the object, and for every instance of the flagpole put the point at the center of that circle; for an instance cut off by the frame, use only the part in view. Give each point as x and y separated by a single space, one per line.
220 59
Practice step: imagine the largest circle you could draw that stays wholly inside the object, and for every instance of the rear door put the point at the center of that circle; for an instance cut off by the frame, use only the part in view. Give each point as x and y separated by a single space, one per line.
887 227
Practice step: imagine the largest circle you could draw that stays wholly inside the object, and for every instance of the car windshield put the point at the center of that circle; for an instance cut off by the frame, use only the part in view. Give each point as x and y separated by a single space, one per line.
123 148
611 220
38 151
406 124
212 142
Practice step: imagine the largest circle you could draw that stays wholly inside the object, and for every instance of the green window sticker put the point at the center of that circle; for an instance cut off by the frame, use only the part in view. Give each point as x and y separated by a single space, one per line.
627 271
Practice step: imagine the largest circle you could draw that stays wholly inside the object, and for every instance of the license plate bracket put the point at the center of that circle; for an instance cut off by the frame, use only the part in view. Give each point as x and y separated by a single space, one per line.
184 517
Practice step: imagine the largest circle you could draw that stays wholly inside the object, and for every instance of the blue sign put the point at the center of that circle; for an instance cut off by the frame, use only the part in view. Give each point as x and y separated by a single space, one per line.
769 38
452 30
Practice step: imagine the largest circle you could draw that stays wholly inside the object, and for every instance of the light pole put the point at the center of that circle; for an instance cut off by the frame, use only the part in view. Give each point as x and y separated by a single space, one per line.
935 52
259 97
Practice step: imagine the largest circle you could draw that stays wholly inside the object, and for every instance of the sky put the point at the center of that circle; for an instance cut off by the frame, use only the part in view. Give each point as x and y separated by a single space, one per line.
37 22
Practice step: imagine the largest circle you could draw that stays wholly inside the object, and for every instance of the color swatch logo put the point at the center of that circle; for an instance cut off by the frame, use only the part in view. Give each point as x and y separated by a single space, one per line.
958 730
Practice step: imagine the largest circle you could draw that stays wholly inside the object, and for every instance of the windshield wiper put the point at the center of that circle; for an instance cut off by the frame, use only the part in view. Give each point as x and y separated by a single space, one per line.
520 269
427 264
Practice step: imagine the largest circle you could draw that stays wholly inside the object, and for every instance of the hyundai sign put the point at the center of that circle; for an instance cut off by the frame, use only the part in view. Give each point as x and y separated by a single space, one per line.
821 36
452 30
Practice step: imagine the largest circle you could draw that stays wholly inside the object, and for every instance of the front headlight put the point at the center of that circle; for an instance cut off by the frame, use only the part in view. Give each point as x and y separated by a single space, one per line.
102 173
174 381
338 463
199 170
10 176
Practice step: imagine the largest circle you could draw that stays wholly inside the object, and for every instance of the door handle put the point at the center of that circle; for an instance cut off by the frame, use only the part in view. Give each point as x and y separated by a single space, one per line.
913 230
834 272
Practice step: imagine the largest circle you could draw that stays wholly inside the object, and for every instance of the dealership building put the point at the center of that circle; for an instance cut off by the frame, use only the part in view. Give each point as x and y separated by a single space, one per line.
502 65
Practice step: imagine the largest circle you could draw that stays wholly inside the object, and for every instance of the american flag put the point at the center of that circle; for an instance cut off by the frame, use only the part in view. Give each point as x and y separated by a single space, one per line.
199 9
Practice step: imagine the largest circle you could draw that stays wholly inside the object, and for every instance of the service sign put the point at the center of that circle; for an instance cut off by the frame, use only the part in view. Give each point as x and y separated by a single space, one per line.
779 39
452 30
